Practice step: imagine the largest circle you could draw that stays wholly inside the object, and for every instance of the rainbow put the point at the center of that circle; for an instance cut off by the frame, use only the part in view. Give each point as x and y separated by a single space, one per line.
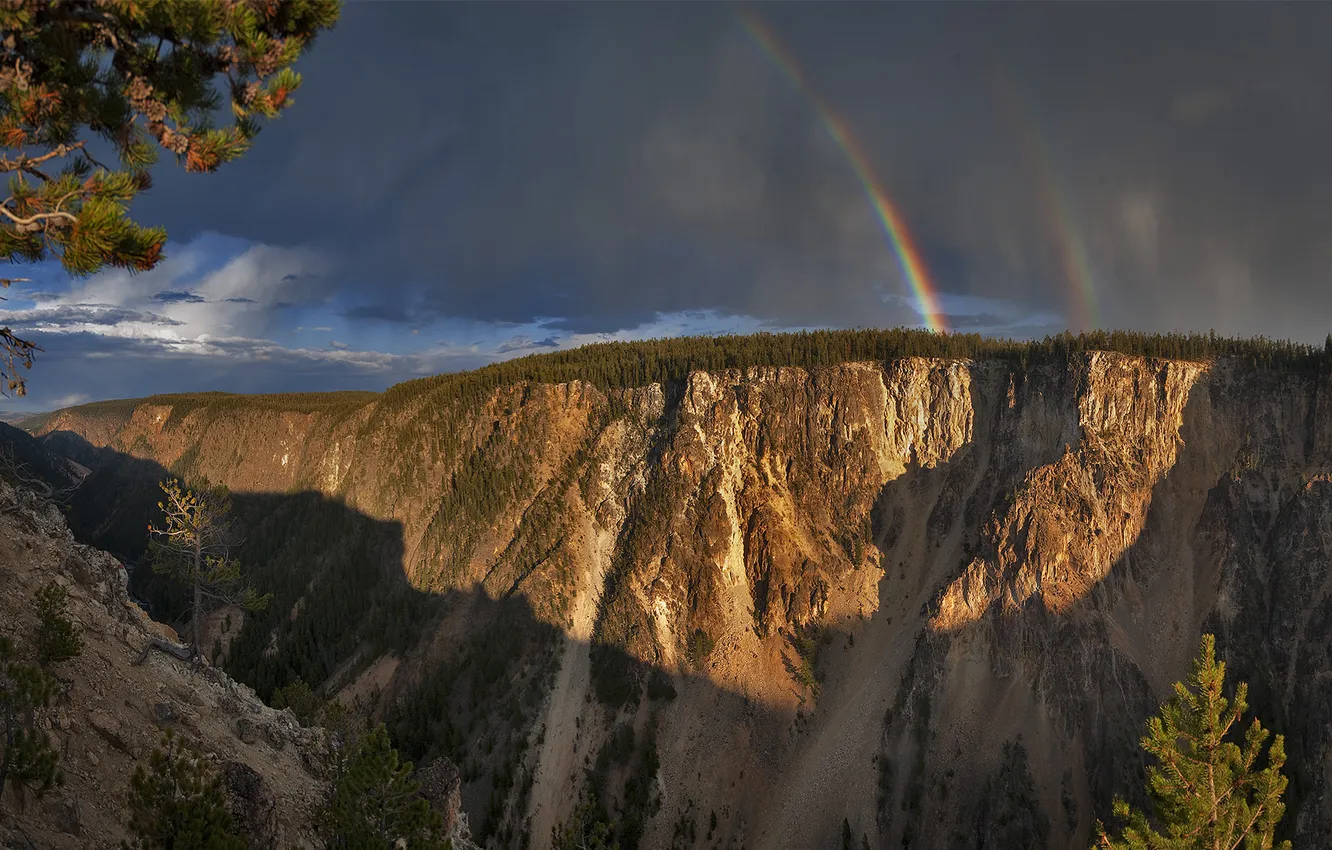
894 225
1083 311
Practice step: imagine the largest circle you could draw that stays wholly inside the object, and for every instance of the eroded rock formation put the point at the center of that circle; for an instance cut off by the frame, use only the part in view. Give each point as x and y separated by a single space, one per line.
934 598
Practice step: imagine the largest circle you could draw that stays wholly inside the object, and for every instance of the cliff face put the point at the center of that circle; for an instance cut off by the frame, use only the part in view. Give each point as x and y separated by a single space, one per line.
934 598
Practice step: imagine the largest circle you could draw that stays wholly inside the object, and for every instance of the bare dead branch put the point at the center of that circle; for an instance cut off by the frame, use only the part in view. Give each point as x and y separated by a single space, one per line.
23 476
26 162
183 653
35 221
14 352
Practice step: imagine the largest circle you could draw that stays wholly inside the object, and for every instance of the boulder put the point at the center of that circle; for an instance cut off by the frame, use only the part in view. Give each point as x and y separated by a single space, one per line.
441 785
228 704
66 815
109 728
165 713
273 735
246 730
253 806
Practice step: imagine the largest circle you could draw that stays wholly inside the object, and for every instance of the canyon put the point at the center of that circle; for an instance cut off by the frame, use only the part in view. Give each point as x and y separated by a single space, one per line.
928 600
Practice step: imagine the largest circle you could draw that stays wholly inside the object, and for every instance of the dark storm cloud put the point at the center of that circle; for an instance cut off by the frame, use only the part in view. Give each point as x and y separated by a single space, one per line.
979 320
178 296
594 165
241 300
379 312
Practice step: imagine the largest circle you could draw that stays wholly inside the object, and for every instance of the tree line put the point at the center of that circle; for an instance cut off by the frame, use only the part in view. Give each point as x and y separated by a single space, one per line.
623 365
626 365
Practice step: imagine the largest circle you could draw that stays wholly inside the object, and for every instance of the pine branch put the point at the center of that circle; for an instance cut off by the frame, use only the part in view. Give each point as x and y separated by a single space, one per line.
72 68
219 597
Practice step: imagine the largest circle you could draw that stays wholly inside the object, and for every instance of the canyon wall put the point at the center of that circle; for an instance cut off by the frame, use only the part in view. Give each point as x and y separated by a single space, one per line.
932 600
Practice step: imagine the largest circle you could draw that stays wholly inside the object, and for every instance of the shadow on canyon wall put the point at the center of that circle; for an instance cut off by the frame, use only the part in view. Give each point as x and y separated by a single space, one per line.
474 670
466 675
1239 552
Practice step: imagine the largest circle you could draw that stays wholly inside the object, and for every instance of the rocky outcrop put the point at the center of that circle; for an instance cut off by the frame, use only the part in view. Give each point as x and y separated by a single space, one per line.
112 710
933 598
441 785
253 806
1069 521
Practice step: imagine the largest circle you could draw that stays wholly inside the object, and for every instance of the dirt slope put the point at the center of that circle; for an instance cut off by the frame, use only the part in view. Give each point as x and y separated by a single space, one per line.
113 710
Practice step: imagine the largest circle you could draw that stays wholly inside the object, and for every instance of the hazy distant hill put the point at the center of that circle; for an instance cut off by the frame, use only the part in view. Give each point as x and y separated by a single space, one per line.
14 417
749 588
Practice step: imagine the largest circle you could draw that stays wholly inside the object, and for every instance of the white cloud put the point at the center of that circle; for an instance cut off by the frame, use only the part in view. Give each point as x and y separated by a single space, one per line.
213 299
196 296
69 400
74 318
685 323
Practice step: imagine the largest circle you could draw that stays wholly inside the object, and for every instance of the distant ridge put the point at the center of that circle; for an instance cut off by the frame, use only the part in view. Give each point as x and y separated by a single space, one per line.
15 417
624 365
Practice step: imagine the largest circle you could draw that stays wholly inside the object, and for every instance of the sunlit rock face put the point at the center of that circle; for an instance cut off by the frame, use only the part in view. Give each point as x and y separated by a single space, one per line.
1068 522
933 598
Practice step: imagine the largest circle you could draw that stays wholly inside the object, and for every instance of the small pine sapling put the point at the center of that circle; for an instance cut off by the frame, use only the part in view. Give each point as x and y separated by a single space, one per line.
1207 791
178 802
58 638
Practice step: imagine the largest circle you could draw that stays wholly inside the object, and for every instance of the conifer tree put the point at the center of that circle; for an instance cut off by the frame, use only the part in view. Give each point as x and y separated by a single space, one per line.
136 76
193 547
58 639
1207 791
345 727
27 758
375 803
300 699
179 804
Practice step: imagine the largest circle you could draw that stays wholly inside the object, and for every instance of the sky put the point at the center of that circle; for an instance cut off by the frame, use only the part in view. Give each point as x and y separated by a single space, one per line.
461 183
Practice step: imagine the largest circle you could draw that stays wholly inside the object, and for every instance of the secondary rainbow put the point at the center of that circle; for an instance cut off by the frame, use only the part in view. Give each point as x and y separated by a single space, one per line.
894 224
1084 312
